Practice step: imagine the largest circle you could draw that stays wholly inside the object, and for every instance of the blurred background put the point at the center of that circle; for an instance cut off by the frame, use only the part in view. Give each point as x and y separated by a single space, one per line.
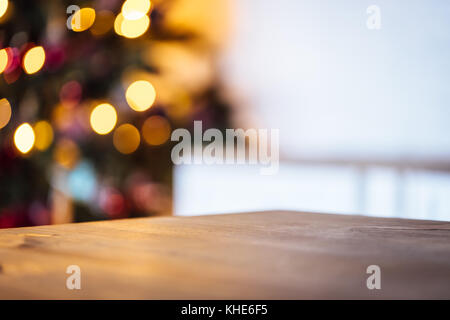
89 99
363 113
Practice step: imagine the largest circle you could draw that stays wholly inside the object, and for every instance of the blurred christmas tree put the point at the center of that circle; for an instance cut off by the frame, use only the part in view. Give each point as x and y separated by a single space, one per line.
89 99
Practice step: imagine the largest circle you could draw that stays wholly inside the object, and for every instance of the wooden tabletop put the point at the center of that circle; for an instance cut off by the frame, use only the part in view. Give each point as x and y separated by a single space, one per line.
267 255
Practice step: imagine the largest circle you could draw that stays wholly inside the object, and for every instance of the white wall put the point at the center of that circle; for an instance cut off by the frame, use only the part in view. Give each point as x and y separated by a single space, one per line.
337 89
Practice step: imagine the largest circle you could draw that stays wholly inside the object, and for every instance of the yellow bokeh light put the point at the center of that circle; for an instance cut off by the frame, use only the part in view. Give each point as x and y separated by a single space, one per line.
134 28
3 7
66 153
4 59
126 138
118 24
44 135
34 60
140 95
156 130
103 118
24 138
135 9
165 88
5 112
83 19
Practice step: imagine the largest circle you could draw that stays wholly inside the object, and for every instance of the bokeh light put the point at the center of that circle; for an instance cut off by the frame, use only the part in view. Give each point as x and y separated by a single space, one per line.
103 118
118 24
34 60
126 138
3 7
83 19
167 91
5 112
4 59
83 182
24 138
44 135
135 28
76 100
135 9
66 153
156 130
131 28
140 95
11 63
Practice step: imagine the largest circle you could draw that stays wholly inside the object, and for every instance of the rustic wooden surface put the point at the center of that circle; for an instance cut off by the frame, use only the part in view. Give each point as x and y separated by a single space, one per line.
253 255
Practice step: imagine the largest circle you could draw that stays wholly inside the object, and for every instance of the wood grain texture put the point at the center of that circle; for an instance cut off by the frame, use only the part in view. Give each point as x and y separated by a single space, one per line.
268 255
